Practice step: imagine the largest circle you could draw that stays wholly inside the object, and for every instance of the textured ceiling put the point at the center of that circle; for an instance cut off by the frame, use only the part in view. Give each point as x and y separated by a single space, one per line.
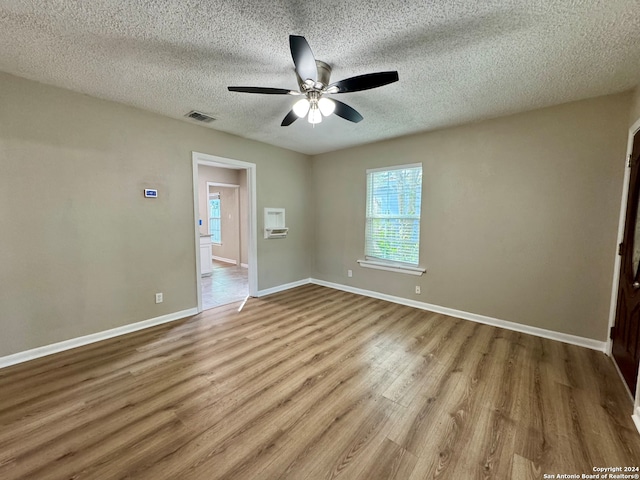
457 61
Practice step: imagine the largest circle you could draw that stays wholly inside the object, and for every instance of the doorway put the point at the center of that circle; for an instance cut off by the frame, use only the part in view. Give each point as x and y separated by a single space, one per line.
625 334
223 244
225 229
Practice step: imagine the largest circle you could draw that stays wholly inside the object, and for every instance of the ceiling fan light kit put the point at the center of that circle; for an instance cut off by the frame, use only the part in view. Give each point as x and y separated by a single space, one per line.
326 106
315 106
314 115
313 79
301 107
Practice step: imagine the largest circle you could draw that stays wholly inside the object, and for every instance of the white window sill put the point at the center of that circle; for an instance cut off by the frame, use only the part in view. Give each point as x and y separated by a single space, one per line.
392 267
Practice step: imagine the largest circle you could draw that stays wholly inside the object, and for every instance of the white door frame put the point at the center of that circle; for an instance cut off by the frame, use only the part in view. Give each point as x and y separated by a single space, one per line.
617 267
623 212
214 161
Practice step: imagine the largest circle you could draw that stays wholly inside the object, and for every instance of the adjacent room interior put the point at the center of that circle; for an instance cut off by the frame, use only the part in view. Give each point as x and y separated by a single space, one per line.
223 228
195 283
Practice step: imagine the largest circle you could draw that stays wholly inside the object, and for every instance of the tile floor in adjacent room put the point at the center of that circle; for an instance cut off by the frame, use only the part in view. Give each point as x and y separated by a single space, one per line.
227 284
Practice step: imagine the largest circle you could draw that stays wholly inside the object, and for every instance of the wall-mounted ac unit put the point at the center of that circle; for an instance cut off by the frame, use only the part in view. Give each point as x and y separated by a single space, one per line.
274 225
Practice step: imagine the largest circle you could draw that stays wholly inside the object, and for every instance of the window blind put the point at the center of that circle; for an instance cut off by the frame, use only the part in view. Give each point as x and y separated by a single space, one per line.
393 214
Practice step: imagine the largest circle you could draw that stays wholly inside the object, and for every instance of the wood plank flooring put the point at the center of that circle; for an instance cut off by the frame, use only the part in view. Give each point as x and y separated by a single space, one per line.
315 383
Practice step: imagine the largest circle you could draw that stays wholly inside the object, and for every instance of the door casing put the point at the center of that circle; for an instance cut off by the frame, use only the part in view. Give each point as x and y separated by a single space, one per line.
618 260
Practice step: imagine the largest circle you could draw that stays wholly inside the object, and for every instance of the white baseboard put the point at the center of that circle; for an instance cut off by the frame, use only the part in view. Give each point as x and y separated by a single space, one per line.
225 260
281 288
517 327
27 355
624 382
96 337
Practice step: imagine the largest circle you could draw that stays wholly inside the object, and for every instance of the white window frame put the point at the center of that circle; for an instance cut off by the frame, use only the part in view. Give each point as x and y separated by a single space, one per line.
214 196
384 264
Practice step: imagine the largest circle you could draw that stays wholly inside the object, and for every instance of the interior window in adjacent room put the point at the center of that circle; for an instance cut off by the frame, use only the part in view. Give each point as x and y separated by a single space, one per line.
215 227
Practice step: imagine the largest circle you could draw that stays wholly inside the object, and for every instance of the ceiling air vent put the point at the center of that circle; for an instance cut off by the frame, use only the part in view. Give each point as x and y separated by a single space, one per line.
199 116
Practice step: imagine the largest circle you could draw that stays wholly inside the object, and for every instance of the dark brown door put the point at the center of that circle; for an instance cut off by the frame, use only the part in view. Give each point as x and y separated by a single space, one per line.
626 333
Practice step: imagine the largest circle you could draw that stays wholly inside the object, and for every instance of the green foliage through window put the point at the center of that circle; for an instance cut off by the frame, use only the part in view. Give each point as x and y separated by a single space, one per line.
393 214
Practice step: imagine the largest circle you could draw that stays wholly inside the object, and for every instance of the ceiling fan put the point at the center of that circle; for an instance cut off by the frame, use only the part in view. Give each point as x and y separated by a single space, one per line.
313 79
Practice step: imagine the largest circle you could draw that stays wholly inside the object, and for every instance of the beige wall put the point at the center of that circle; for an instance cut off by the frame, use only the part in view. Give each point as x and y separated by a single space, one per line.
519 215
81 249
230 210
244 219
299 217
229 249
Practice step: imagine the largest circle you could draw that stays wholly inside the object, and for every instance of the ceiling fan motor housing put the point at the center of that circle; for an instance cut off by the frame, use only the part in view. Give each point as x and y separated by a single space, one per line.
324 75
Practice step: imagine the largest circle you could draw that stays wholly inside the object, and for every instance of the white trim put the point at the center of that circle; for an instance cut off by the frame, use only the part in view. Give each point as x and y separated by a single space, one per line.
624 382
394 167
96 337
252 264
218 184
517 327
32 354
286 286
392 267
372 258
225 260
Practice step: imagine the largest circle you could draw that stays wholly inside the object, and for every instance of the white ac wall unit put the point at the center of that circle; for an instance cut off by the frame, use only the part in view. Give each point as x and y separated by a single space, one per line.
274 223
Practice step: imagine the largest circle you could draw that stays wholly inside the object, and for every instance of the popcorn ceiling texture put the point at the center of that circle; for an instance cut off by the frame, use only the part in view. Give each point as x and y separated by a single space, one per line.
458 61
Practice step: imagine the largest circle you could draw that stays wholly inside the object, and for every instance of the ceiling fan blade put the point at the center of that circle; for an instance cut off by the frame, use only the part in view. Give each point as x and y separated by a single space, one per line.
289 119
303 58
265 90
345 111
365 82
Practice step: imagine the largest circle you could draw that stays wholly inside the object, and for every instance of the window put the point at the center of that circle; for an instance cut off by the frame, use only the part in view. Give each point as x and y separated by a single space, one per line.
215 229
392 235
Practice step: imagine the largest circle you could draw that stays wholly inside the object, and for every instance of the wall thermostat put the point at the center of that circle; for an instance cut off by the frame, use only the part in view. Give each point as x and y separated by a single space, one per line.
149 193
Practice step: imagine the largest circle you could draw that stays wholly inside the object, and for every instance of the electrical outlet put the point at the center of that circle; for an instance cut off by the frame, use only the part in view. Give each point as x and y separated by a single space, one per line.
159 298
418 289
349 273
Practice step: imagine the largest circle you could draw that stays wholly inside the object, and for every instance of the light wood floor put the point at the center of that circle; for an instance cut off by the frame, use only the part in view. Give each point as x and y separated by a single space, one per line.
315 383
